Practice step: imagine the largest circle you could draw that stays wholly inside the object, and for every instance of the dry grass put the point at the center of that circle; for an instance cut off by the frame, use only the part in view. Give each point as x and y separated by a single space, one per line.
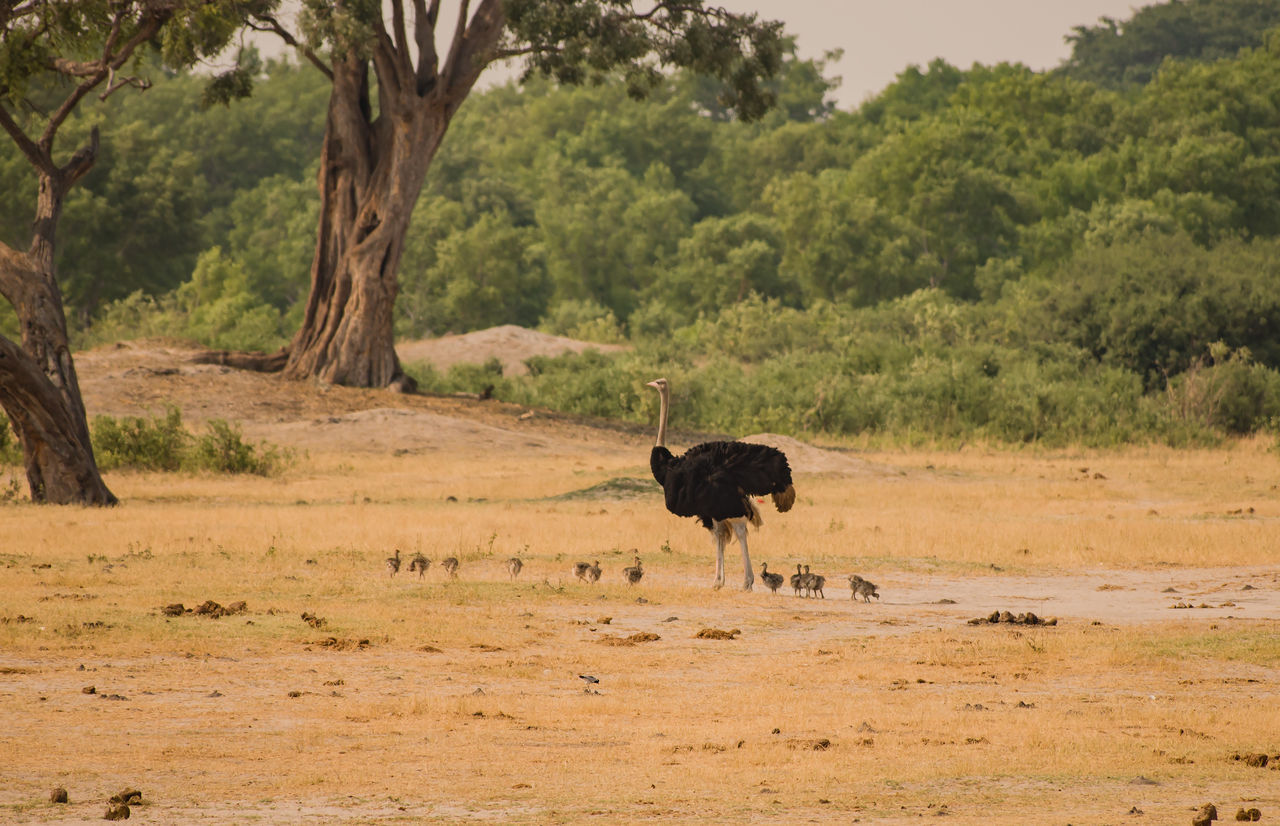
465 703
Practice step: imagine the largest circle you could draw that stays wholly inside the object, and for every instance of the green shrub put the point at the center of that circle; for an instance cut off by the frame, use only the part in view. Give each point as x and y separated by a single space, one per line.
144 444
10 450
164 444
224 450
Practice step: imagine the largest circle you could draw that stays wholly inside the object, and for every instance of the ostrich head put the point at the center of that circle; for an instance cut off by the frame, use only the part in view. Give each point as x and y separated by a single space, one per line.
664 403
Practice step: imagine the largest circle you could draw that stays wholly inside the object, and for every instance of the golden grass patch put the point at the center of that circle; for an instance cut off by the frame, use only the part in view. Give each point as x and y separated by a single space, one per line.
443 700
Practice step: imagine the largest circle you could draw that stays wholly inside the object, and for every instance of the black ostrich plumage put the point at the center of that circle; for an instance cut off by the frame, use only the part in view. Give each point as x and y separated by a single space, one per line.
712 480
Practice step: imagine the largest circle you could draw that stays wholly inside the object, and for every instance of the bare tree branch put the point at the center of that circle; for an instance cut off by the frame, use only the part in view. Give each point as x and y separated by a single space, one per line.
140 83
424 34
149 25
38 158
273 26
402 39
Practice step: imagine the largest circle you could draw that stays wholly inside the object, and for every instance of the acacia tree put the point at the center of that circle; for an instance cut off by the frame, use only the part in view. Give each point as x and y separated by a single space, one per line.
53 55
394 94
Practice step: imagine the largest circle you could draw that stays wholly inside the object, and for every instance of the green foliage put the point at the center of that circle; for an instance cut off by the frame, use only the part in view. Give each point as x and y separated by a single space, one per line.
583 320
10 450
140 443
164 444
1130 53
224 450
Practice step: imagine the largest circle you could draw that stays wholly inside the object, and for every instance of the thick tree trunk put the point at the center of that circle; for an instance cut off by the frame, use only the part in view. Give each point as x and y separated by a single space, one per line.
371 171
370 177
38 386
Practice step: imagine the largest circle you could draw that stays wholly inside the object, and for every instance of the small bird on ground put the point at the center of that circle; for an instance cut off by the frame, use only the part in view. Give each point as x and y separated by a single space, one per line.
590 680
451 566
773 581
633 573
420 564
393 563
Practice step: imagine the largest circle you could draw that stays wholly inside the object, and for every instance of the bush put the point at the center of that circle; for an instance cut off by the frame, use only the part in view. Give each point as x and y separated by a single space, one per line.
164 444
143 444
224 450
10 450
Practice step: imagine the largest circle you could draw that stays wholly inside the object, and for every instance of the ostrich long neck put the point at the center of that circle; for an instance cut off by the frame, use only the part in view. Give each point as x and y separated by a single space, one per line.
662 417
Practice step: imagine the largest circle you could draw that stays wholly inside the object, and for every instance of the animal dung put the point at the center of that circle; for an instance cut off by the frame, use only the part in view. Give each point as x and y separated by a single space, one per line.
634 639
58 795
1257 760
116 811
1207 814
717 634
1249 814
820 744
1009 617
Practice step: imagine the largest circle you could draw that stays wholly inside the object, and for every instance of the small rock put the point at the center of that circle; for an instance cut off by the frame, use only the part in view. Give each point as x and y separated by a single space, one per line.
58 795
89 689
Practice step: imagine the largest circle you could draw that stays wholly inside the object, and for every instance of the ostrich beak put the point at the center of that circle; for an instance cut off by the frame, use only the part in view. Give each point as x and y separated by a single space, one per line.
653 384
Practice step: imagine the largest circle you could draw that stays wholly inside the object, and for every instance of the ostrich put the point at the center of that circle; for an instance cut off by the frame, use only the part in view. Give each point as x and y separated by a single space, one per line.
580 570
865 588
593 571
797 580
773 581
420 564
813 583
451 566
633 573
393 563
715 481
513 566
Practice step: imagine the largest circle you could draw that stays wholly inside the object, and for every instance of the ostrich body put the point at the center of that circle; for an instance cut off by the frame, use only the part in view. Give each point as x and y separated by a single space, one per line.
513 566
773 581
865 588
420 564
393 564
797 580
633 573
580 570
593 572
715 482
450 566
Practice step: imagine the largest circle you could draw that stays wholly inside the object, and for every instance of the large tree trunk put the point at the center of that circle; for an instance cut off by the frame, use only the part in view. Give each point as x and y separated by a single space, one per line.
370 175
38 386
371 171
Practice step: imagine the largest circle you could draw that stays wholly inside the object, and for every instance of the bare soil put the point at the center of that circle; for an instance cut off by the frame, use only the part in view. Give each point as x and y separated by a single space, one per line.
794 715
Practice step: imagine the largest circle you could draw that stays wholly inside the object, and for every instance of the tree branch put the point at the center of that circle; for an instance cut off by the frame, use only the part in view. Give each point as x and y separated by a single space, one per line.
473 46
273 26
40 159
424 34
149 25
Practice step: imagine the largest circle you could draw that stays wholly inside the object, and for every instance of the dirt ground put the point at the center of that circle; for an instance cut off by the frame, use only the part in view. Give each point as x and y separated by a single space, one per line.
465 705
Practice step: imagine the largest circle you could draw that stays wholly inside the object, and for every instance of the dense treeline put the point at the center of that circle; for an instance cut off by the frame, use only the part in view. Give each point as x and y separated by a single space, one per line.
1077 255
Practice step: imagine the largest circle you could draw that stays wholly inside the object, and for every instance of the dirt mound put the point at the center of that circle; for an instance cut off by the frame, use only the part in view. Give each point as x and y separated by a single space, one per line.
509 344
806 458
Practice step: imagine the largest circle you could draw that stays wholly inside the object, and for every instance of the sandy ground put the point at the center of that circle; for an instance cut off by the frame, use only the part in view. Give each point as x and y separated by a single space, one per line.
192 703
142 378
508 343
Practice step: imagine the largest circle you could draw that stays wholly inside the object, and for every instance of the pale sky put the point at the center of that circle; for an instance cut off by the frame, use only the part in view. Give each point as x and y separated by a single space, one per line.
880 38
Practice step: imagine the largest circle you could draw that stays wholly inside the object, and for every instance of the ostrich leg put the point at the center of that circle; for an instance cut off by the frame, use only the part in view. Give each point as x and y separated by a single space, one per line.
748 578
720 534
